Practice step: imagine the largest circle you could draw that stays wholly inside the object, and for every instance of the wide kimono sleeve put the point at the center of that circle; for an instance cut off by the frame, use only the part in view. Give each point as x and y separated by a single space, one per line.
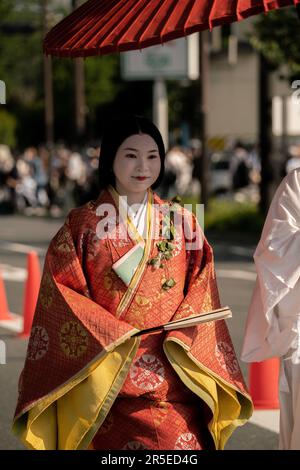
77 359
277 262
203 356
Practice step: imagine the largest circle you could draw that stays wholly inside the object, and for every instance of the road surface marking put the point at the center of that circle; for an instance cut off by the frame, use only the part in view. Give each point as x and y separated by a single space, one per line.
21 248
267 419
12 273
15 324
236 274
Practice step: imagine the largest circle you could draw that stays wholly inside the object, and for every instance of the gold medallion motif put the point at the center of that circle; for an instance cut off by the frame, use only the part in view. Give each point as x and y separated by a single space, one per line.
64 248
73 339
64 244
46 293
39 343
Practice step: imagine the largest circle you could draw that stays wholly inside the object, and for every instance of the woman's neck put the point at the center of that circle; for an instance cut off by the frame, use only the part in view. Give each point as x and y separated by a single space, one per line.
132 198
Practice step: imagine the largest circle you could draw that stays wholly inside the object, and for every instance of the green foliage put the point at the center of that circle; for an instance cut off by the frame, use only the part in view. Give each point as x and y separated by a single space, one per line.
21 68
227 215
7 128
5 9
101 83
20 53
277 37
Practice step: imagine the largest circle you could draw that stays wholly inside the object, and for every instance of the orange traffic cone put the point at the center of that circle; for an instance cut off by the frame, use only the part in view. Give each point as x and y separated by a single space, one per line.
31 292
263 384
4 312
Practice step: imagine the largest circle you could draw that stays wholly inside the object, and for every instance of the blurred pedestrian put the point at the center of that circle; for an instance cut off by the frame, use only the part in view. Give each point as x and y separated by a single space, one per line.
178 173
240 167
8 181
26 188
273 323
76 173
39 164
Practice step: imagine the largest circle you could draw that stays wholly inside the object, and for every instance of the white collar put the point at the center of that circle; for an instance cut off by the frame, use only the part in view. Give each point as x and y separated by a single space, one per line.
138 207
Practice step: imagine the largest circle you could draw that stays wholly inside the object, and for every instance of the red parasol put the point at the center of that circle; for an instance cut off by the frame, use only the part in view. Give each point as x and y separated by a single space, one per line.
105 26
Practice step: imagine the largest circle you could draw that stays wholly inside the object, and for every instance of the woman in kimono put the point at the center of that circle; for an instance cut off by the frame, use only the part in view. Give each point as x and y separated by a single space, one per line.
122 263
273 323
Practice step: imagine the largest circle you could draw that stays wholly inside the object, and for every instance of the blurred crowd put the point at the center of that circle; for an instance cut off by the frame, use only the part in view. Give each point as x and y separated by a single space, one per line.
41 181
229 170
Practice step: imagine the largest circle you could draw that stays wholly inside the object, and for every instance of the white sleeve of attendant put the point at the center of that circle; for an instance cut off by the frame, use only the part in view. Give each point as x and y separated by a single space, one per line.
277 261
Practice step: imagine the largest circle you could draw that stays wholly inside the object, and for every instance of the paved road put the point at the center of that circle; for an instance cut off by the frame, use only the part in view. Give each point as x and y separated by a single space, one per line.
236 278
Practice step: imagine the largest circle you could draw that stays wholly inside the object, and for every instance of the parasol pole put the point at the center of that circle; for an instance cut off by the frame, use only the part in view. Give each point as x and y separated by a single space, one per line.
204 161
48 81
80 116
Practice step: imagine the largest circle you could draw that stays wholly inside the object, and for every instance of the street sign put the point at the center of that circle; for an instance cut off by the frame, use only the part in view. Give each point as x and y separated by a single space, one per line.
174 60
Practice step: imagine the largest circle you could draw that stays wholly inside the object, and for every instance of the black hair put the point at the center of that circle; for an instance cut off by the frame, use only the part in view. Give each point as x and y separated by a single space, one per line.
114 134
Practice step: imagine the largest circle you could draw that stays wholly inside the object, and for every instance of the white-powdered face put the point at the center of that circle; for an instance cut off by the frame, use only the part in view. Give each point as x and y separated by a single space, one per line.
136 166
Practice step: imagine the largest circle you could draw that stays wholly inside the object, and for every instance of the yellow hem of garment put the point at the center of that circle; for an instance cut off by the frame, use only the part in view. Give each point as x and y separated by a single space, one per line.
230 408
69 417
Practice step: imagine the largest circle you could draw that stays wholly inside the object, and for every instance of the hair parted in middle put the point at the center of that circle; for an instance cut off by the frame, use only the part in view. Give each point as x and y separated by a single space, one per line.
114 134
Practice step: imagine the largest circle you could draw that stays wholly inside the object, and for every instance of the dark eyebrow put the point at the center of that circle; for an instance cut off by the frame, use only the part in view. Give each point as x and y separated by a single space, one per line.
136 150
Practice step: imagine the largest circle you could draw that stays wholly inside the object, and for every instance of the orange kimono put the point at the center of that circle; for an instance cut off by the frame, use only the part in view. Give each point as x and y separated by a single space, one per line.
88 382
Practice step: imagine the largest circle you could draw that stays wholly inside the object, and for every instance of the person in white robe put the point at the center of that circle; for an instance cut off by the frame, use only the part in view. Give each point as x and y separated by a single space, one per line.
273 322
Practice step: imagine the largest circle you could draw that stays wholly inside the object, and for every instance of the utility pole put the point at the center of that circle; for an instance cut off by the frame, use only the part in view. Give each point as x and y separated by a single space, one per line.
48 81
265 134
284 137
80 116
160 109
204 162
